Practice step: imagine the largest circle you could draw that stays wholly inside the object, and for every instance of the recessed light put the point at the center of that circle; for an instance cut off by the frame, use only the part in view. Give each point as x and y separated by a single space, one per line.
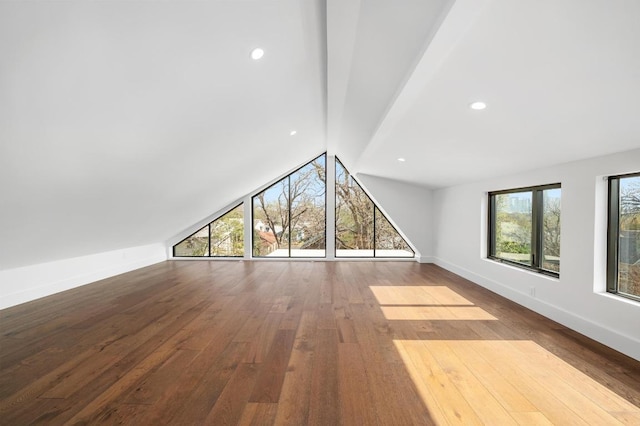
293 132
257 53
479 105
402 160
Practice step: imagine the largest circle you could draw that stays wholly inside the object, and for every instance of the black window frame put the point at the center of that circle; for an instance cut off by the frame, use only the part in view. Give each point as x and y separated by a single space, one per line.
375 236
208 226
537 218
613 234
288 178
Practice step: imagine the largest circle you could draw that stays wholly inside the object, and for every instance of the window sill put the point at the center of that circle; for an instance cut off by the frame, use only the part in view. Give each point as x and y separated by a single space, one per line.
620 298
533 271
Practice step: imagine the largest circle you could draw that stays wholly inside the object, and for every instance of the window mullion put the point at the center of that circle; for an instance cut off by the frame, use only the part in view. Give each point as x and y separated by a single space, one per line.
613 235
492 225
289 220
536 228
374 231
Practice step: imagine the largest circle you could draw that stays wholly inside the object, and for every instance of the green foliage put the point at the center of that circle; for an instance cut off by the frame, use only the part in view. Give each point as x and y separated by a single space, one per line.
193 246
225 233
513 247
227 237
258 249
512 230
630 222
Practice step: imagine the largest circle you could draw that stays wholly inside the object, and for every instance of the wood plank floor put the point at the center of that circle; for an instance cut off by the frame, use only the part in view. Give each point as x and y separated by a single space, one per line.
294 343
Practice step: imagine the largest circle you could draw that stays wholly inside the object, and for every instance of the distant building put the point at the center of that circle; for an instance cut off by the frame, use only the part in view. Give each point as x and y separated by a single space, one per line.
519 205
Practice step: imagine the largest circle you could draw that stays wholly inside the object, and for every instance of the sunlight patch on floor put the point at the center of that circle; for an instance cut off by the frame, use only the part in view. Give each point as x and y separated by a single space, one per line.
426 303
421 313
417 295
507 382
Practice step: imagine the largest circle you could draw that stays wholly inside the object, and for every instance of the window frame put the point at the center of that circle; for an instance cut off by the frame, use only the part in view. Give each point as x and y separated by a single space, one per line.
249 226
613 233
537 220
374 236
208 226
288 178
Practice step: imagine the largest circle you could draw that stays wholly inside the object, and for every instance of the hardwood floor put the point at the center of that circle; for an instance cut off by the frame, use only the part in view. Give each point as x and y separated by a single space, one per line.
294 343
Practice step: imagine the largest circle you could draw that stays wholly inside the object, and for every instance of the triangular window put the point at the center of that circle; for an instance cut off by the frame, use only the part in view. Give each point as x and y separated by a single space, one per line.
362 230
224 237
289 218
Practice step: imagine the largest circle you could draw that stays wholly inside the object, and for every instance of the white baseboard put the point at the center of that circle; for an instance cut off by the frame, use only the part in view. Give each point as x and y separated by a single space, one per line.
626 344
32 282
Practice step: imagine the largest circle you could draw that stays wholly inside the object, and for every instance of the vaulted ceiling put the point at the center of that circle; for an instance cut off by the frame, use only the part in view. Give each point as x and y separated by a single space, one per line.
122 123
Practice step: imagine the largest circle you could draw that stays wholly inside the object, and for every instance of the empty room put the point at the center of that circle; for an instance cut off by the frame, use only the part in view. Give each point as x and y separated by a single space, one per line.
320 212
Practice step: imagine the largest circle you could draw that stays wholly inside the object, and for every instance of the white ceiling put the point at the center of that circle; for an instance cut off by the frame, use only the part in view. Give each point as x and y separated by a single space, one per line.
561 80
123 123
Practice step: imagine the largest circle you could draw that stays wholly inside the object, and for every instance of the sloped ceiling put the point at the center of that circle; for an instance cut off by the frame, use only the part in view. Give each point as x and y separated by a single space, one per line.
561 80
123 123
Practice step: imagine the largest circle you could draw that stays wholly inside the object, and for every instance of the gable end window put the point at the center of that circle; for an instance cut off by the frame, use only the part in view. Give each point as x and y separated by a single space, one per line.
524 228
289 217
289 220
623 236
224 237
362 230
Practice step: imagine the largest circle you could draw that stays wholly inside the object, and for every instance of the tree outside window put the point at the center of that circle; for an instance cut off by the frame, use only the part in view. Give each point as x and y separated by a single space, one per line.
623 271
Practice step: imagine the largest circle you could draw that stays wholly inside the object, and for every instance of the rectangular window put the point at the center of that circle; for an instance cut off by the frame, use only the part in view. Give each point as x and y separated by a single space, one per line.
623 248
524 227
289 217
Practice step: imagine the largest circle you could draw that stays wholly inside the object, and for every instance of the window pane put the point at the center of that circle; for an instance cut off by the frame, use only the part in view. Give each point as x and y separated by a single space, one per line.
289 216
227 233
271 220
551 229
513 227
308 187
354 217
389 243
195 245
629 236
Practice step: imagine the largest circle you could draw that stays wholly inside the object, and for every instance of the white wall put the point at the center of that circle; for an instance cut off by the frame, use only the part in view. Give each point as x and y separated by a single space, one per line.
20 285
408 207
578 298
